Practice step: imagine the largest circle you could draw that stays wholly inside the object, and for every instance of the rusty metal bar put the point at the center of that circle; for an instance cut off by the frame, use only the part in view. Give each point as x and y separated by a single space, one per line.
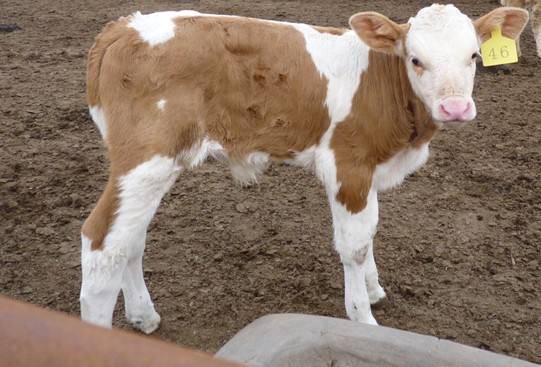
32 336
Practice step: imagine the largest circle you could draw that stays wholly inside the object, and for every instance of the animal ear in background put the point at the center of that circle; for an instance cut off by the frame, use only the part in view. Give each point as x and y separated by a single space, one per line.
378 32
511 20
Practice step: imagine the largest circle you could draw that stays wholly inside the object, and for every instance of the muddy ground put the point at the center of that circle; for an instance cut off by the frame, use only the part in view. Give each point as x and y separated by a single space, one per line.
458 246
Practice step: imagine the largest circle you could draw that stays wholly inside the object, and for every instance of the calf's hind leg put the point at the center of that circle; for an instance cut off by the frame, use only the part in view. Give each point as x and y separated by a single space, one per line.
138 306
114 260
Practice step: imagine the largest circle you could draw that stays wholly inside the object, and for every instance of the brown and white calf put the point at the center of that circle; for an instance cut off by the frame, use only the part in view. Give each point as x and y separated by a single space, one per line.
358 105
534 6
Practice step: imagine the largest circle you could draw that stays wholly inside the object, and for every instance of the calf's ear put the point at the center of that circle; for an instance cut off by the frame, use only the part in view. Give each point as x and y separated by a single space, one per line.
511 20
379 32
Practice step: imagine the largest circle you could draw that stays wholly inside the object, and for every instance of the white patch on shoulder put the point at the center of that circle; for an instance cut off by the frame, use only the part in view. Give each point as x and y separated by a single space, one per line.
341 59
158 27
393 172
161 104
248 171
98 117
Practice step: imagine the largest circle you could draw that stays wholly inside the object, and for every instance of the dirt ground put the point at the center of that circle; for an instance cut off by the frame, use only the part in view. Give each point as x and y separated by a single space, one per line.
458 248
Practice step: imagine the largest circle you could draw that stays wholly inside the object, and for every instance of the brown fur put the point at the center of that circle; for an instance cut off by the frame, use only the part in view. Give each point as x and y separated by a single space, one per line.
237 90
378 31
386 118
243 96
101 218
110 34
511 20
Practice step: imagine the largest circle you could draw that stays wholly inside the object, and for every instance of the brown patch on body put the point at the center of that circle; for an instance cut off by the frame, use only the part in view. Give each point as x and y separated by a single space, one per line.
97 225
386 117
256 105
243 89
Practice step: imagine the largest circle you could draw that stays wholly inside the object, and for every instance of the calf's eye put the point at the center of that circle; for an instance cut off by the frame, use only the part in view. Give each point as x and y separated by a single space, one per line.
474 56
415 61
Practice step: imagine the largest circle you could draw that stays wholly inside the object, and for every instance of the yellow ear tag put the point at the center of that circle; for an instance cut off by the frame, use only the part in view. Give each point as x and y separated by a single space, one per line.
499 50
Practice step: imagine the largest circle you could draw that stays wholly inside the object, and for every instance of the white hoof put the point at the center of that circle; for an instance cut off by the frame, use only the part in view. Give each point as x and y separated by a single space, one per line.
371 321
145 323
355 314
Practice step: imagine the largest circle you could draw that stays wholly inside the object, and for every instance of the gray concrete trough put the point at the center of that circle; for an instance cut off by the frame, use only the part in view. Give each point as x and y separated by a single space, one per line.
295 340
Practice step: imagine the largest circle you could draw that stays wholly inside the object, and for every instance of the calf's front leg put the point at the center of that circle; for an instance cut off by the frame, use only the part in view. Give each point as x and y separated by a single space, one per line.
353 233
376 293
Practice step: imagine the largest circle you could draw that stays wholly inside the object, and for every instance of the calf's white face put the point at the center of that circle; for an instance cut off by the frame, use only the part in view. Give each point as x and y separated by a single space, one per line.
439 47
440 52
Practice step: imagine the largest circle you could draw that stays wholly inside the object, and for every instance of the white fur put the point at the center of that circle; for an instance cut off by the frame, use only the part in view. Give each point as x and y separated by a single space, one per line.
197 154
157 28
354 230
140 193
161 104
376 292
393 172
304 159
104 271
138 305
248 171
101 278
326 163
353 235
340 59
96 112
443 39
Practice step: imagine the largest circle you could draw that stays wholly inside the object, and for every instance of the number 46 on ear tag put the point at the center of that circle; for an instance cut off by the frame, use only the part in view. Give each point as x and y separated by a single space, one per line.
498 50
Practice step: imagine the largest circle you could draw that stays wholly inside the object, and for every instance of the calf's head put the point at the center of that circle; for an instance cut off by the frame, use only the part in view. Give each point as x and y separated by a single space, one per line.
439 47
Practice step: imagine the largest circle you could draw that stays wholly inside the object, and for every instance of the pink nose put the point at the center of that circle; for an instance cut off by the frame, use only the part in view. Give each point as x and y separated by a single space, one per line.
455 108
